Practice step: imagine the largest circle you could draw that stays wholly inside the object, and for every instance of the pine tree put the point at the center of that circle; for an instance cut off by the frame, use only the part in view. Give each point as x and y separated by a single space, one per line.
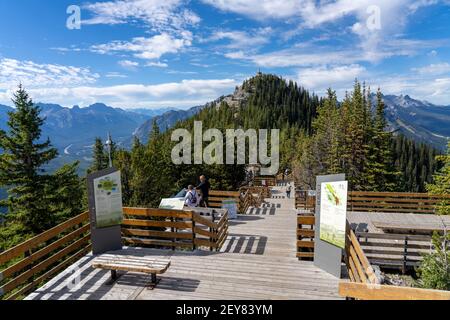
441 184
100 157
380 169
22 166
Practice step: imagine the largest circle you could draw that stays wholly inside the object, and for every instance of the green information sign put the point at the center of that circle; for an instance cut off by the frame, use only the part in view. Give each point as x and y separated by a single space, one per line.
108 200
333 212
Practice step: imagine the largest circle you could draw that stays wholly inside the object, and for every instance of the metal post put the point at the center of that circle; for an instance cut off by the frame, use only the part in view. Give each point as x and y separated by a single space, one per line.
108 145
405 255
193 232
173 230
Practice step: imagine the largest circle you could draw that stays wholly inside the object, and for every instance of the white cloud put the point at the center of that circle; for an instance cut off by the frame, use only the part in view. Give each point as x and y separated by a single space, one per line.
309 54
260 9
127 64
180 94
115 75
31 74
433 69
329 76
146 48
158 64
157 15
242 39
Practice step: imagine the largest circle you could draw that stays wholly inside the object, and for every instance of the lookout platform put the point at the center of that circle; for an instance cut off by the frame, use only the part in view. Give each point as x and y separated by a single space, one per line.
257 261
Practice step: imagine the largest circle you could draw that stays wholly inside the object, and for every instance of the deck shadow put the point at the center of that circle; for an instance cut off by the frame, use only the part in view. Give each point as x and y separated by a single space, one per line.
245 244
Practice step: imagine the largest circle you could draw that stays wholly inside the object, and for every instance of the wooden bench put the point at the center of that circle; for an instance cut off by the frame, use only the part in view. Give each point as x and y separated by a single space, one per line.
119 262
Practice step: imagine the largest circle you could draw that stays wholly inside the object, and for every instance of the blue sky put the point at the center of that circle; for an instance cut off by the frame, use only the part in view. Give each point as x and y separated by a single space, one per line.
180 53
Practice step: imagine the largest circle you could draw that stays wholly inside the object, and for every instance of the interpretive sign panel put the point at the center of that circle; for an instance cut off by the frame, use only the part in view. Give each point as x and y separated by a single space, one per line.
333 212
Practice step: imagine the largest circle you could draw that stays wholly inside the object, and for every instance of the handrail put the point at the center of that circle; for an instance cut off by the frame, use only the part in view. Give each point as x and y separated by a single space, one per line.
172 228
364 291
36 260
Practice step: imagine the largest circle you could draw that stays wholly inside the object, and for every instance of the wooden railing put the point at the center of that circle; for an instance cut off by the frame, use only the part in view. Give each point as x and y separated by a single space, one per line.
365 284
173 229
303 201
216 198
305 237
394 202
40 258
365 291
247 201
359 268
394 250
365 201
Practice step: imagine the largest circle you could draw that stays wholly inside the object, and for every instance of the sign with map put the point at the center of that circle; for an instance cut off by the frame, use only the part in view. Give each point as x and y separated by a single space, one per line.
333 212
172 203
108 200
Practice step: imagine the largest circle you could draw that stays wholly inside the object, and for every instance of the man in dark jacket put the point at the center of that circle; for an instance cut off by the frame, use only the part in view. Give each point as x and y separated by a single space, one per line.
204 186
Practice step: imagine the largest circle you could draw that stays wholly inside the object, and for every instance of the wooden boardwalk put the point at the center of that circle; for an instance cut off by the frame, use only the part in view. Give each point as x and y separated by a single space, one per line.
257 261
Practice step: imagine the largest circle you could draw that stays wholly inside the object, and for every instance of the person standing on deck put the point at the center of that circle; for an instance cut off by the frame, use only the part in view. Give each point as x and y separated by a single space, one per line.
204 187
288 191
191 200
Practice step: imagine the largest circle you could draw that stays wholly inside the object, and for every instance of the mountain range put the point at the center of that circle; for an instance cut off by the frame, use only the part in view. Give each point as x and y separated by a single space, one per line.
73 130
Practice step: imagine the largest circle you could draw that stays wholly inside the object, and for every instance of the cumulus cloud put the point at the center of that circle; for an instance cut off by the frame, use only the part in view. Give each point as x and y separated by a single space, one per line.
185 93
242 39
157 15
433 69
31 74
329 76
146 48
127 64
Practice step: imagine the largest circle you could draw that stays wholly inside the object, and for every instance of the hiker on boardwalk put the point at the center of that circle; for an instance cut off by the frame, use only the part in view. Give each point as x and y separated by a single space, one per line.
288 191
192 199
204 187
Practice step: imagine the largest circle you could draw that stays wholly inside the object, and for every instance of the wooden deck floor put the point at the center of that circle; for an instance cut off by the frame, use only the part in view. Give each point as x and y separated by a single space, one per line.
257 261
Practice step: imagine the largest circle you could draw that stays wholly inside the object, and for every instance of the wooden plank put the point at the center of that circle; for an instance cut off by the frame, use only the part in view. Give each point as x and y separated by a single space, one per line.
396 194
152 223
159 243
307 233
306 220
361 256
14 283
364 209
395 200
206 233
393 245
224 193
41 238
390 236
199 219
305 254
158 268
357 263
382 205
305 244
43 252
384 292
150 212
158 234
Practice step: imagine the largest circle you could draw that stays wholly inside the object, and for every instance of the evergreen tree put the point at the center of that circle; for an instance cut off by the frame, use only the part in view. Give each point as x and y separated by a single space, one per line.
441 184
380 169
100 156
22 166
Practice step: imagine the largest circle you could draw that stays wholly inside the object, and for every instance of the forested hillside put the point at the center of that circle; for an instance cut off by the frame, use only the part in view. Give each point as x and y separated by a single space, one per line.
317 136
